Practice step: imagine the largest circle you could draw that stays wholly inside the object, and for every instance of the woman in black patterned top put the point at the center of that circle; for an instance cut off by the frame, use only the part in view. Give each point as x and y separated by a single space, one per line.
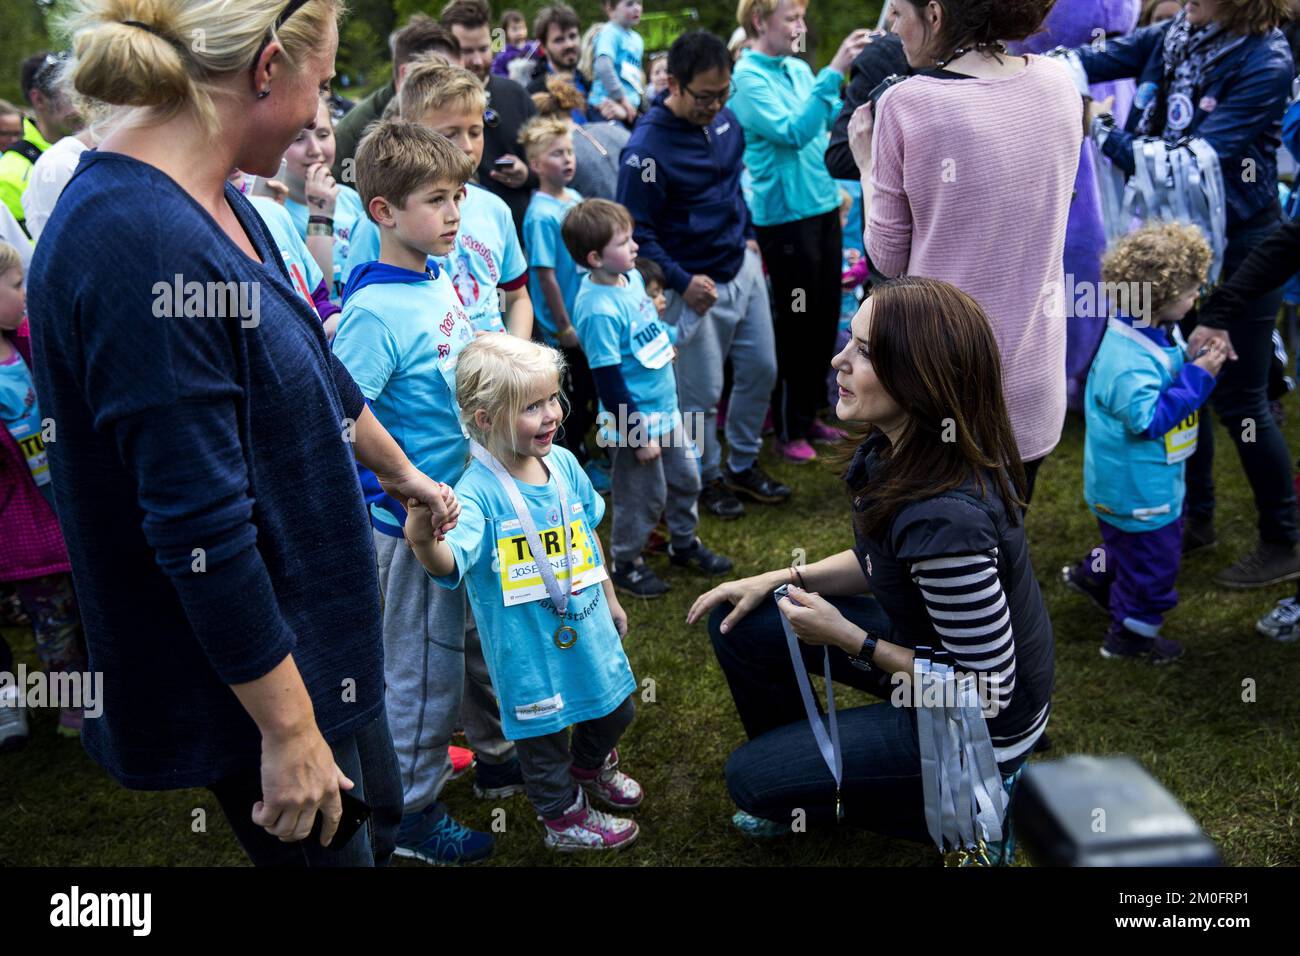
939 560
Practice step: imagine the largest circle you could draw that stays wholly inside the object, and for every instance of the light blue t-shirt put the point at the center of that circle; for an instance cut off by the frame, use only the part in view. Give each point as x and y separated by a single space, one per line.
486 255
399 342
349 213
542 688
542 223
625 48
298 260
21 415
618 325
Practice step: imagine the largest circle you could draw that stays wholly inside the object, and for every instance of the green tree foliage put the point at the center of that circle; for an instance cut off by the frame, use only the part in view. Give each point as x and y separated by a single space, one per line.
22 33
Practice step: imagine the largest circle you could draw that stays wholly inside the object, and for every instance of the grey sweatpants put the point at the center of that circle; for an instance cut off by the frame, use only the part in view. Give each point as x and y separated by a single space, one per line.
669 485
739 326
430 649
546 760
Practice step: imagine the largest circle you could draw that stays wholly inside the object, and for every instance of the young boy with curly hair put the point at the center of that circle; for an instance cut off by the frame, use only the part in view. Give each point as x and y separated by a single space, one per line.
1141 407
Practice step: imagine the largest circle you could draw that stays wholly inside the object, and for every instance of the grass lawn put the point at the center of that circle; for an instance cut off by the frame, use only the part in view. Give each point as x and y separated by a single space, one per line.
1235 765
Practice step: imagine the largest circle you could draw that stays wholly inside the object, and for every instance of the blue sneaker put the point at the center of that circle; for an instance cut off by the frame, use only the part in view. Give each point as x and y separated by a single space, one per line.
433 836
753 826
496 781
598 472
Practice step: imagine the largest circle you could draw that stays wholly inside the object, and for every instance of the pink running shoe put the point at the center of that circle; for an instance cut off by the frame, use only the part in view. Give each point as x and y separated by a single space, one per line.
797 452
462 758
825 434
610 786
582 828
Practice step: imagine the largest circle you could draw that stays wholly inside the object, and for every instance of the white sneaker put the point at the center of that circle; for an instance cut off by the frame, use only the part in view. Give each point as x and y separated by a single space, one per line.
582 828
1283 622
13 720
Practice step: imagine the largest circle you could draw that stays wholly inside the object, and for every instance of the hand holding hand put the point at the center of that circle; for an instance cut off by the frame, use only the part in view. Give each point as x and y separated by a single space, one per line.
1211 356
1202 334
700 294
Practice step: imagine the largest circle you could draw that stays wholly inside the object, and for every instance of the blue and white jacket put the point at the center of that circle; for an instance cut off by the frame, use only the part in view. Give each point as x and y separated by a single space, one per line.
1141 408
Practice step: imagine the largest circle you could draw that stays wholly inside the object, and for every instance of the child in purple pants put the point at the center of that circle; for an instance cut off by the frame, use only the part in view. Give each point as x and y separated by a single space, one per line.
1141 406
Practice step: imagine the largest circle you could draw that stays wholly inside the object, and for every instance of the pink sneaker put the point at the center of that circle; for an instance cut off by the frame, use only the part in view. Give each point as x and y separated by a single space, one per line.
797 452
609 785
462 758
582 828
822 433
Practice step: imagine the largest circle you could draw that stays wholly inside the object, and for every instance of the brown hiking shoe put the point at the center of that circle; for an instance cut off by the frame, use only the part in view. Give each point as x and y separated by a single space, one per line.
1267 564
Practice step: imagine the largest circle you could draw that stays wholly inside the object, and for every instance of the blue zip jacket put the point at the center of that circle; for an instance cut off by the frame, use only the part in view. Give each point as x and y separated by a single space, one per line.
1140 406
681 183
380 273
1246 93
787 116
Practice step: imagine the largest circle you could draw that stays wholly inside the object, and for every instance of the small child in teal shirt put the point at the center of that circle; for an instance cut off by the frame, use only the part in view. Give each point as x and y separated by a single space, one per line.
1142 411
618 79
525 544
655 461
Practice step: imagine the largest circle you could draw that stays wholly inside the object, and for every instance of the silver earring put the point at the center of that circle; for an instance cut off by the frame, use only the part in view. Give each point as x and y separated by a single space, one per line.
264 94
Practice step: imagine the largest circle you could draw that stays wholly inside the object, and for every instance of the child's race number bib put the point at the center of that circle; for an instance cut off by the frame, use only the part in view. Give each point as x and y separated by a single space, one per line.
1180 441
521 582
650 343
32 444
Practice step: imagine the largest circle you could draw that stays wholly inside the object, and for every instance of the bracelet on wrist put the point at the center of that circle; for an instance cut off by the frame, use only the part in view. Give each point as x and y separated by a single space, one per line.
321 220
319 229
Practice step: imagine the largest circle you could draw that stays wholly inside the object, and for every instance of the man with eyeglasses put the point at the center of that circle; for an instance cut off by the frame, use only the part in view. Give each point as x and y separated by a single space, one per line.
680 179
55 117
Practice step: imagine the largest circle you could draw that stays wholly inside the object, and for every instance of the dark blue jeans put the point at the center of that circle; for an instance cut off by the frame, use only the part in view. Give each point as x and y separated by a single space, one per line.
367 759
1240 400
780 769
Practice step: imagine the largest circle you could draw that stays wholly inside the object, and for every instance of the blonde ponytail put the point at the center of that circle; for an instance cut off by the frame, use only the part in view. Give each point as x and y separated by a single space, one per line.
163 55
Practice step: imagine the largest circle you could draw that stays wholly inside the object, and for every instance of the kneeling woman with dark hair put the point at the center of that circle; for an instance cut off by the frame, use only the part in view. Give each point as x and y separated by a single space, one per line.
939 542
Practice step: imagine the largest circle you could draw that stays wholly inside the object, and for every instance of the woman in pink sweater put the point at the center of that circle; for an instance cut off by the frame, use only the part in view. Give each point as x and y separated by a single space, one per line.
967 176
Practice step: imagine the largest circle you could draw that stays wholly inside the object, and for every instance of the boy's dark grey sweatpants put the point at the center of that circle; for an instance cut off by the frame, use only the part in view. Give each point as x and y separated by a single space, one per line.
432 662
668 486
546 760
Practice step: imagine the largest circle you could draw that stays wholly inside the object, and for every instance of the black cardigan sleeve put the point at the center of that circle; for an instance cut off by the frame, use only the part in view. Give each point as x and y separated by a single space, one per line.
879 59
1271 263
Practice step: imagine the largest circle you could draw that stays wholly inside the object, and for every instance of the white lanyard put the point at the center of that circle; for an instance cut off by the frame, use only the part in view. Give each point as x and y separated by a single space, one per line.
829 747
525 516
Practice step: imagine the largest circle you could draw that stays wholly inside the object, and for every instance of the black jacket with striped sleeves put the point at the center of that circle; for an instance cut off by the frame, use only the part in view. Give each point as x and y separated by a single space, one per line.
953 571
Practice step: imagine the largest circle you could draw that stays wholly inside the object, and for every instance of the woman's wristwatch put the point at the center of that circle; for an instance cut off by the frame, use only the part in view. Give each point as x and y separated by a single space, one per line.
862 660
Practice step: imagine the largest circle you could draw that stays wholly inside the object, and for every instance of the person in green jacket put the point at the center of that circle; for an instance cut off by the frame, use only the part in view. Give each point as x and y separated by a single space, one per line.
786 114
55 117
421 34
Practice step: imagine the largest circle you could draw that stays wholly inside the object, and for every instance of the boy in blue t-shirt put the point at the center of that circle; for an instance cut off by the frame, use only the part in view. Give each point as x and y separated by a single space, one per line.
1141 407
401 330
617 77
655 464
553 276
486 255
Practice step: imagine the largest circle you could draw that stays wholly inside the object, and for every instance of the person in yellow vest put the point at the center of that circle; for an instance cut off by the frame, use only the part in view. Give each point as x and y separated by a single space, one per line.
54 117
